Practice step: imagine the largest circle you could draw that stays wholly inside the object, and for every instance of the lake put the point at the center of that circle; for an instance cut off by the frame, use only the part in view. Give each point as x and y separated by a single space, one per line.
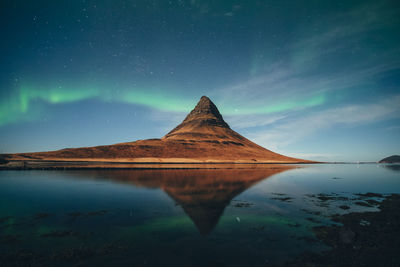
241 216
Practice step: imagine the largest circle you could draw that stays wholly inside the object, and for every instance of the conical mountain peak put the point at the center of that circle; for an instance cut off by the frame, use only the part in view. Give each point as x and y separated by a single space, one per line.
203 117
206 110
206 105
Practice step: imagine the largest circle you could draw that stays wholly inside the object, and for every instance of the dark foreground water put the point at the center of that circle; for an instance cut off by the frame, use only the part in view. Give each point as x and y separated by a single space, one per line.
215 217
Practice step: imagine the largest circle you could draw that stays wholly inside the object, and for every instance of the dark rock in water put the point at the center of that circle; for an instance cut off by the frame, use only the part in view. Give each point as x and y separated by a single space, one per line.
311 219
369 194
243 204
391 159
284 199
278 194
364 239
363 204
328 197
372 202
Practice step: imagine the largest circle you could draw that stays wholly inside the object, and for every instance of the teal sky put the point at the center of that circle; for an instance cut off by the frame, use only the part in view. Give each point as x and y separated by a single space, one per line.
313 79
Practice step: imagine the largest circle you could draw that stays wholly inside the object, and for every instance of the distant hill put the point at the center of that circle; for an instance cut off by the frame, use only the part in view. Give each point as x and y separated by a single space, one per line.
203 136
391 159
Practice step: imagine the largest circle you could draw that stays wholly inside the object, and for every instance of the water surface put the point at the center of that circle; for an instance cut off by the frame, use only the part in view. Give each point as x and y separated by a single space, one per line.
250 216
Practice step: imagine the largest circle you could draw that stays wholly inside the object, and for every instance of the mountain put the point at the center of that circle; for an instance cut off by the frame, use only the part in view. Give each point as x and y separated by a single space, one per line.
391 159
202 137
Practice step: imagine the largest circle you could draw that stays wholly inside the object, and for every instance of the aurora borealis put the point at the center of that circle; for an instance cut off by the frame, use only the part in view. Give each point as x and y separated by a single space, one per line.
314 79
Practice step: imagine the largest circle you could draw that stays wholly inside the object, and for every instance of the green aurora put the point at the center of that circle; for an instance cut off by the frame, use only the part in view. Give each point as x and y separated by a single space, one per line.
25 103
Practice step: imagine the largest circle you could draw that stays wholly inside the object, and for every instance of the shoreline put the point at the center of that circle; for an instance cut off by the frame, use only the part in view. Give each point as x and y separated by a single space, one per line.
131 165
141 164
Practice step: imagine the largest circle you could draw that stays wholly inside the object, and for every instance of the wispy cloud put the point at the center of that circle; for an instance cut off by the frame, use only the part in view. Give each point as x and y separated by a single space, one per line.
393 128
286 89
166 121
342 31
315 66
248 121
294 129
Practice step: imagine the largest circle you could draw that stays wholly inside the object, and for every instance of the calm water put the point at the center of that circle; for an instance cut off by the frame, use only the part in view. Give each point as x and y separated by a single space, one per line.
233 217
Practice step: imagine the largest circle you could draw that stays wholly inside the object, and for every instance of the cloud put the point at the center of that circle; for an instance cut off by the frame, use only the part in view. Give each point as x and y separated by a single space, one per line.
324 60
283 88
342 31
278 89
166 121
247 121
294 129
393 128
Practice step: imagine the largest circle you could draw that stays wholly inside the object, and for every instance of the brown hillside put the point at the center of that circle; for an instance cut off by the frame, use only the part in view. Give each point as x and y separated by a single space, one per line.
203 136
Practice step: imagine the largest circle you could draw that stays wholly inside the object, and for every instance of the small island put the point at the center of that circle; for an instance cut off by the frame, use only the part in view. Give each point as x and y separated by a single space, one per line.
391 159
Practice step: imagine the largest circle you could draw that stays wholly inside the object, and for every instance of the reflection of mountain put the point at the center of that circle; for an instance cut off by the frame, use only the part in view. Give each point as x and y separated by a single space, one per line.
203 194
393 167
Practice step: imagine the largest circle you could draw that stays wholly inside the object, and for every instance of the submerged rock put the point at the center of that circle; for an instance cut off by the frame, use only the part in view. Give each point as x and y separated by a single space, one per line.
362 239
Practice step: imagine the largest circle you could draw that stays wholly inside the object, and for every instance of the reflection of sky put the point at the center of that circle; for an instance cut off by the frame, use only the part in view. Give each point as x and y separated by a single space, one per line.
67 192
146 219
87 191
314 80
348 178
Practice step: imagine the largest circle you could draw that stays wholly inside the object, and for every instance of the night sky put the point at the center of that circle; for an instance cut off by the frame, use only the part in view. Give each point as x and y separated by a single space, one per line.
312 79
